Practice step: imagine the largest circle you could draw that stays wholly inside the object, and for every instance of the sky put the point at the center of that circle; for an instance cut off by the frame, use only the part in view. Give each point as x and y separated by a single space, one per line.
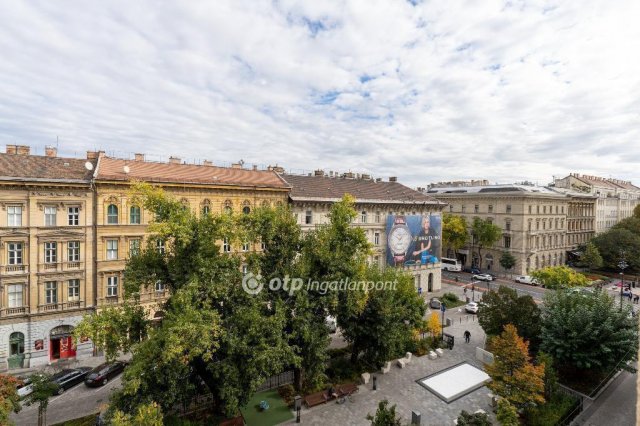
423 90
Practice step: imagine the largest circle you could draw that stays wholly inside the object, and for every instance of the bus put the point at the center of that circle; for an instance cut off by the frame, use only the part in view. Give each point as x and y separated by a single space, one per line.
447 264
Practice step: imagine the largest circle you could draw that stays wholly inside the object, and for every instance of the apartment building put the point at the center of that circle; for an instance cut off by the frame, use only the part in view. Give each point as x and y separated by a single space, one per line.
581 220
46 262
533 220
121 225
615 198
377 203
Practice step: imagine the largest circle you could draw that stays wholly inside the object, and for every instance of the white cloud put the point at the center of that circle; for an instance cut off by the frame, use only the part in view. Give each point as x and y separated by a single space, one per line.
505 90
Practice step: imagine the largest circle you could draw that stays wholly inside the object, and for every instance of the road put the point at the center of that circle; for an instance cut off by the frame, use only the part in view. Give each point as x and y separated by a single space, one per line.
464 280
76 402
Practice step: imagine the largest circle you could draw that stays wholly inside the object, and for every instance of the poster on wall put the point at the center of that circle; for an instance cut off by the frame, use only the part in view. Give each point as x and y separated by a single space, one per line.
38 345
414 239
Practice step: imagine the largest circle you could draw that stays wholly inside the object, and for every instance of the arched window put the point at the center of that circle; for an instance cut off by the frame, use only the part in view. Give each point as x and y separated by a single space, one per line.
16 344
112 214
134 215
246 209
227 208
206 207
363 217
265 204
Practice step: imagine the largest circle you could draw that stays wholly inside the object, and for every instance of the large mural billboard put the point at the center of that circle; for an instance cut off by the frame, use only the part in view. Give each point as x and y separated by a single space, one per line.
414 239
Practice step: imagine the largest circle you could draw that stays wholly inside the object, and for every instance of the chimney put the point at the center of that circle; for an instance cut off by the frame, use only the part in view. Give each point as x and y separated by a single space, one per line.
318 172
139 157
174 160
254 167
12 149
348 175
278 169
366 176
236 165
378 179
207 163
393 179
50 151
23 150
92 155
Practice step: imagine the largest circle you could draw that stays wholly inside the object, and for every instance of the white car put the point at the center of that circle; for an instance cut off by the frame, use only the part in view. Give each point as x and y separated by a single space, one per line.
483 277
526 279
471 307
26 388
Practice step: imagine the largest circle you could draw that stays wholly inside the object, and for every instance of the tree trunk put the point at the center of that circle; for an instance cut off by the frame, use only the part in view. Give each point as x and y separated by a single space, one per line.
298 376
355 351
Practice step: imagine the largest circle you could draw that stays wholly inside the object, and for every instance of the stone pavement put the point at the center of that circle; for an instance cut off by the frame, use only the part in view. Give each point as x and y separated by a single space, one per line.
399 387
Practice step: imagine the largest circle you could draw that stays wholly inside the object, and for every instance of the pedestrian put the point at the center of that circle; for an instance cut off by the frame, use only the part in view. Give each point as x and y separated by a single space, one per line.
465 291
467 336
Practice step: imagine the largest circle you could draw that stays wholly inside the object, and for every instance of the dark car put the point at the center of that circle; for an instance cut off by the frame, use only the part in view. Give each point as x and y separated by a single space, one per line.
472 270
100 375
69 378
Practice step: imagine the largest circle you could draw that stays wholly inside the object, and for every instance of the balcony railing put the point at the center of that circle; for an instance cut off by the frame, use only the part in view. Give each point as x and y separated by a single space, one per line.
61 306
72 265
22 310
14 269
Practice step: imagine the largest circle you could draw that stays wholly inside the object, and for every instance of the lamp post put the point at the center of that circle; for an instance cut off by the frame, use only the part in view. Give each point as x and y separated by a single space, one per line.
442 308
622 265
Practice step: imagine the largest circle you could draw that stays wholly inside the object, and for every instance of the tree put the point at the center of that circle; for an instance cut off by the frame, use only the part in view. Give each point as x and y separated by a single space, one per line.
557 277
433 325
513 375
42 389
630 224
588 332
454 231
385 415
609 244
502 307
636 211
486 234
9 399
507 414
507 260
591 258
475 419
146 415
550 375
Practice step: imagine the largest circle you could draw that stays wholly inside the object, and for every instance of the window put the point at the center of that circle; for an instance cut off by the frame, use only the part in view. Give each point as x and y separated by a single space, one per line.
50 252
206 209
246 210
529 226
308 218
507 242
112 214
14 216
134 215
508 208
112 286
464 208
73 290
245 246
378 217
15 253
544 209
51 292
159 287
227 207
557 209
15 295
476 209
507 225
134 247
160 246
263 246
245 269
112 249
73 251
73 215
50 216
537 225
363 217
376 238
450 208
490 208
226 247
529 208
538 209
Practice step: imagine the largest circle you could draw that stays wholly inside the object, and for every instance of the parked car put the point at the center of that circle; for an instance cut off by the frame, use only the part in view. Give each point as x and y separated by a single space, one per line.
435 303
471 307
25 388
526 279
472 270
483 277
100 375
68 378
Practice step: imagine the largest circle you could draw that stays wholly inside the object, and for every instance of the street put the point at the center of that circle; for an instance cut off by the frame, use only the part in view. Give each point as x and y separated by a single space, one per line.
76 402
464 280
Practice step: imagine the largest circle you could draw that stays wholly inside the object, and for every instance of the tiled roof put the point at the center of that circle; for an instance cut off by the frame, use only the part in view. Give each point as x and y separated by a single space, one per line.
113 169
364 190
595 181
42 168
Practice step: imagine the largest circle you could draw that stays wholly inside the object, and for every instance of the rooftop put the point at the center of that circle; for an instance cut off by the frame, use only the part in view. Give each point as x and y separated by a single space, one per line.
325 188
175 172
42 168
494 189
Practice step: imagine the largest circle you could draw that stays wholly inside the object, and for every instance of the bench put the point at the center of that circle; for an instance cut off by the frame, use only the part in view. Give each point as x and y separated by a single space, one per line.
236 421
347 389
314 399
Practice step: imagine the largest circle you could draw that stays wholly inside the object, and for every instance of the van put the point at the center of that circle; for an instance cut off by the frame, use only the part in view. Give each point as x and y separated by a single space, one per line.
526 279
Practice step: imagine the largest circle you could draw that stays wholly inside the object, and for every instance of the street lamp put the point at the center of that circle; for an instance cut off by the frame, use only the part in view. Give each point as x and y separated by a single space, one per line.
622 265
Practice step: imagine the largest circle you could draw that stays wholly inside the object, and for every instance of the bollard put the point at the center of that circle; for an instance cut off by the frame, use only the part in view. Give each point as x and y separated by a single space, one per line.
297 403
375 384
416 418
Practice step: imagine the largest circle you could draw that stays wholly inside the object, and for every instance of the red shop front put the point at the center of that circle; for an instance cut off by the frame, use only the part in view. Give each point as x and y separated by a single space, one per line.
62 344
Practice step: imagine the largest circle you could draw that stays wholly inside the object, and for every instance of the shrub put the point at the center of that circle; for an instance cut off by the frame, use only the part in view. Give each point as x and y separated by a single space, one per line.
449 298
287 392
339 352
552 412
342 370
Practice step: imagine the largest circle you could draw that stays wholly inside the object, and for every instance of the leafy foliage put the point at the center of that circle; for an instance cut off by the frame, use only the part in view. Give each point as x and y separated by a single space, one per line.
486 234
433 325
507 414
9 399
591 257
557 277
507 260
513 375
454 231
504 306
42 389
588 332
475 419
609 244
146 415
385 415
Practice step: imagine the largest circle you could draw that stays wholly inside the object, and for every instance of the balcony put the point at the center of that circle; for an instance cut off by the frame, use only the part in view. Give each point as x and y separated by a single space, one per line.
109 300
14 269
61 306
6 312
72 265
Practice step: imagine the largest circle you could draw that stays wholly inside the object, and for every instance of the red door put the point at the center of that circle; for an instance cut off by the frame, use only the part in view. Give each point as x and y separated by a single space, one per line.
67 347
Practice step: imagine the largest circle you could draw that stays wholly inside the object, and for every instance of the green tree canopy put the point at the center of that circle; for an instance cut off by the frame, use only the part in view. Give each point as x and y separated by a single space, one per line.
591 258
504 306
385 415
557 277
42 389
454 231
630 223
636 211
486 234
587 331
507 260
473 419
611 242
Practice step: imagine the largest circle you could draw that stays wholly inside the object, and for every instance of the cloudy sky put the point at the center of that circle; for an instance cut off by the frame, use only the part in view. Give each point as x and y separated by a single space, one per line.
422 90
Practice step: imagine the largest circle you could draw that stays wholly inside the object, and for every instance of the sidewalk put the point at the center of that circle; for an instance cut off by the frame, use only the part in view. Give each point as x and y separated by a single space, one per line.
92 362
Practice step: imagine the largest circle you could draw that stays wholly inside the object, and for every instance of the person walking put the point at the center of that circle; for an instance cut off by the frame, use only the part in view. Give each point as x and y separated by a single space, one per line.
467 336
